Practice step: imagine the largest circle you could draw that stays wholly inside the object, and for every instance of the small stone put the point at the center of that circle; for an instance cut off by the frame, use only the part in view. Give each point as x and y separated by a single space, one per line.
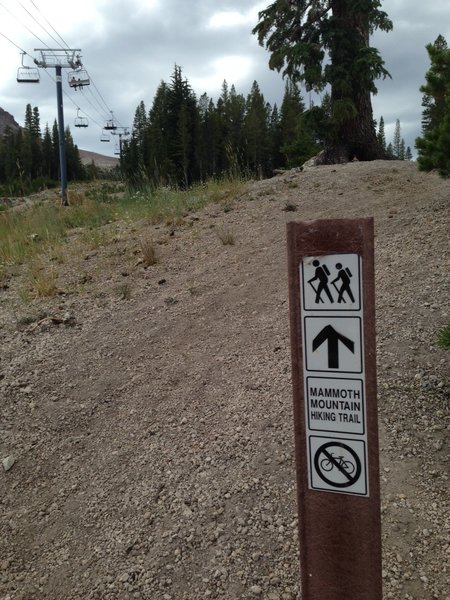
256 590
8 462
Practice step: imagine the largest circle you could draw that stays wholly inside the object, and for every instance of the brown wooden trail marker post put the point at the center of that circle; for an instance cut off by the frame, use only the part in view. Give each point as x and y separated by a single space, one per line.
332 313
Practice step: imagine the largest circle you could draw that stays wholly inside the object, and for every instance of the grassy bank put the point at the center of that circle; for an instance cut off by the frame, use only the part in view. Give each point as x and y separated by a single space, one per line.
31 232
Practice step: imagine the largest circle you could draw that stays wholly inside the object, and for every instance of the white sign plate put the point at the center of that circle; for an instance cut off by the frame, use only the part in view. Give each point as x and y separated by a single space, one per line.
335 405
338 465
331 283
333 344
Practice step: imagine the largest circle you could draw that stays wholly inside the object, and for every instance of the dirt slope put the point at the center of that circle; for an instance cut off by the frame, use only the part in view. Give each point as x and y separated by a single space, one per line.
100 160
151 418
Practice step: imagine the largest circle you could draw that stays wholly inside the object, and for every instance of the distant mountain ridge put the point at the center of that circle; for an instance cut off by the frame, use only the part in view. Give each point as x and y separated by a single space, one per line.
100 160
7 120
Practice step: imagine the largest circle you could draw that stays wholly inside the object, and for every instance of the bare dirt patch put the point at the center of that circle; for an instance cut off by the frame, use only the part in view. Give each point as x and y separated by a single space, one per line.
149 410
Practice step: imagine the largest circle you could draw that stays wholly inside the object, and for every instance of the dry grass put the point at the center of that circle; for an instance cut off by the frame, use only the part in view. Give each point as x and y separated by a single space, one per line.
43 281
123 291
76 197
149 253
226 236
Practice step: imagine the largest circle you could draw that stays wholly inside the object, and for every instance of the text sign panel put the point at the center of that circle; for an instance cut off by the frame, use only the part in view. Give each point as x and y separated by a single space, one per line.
335 405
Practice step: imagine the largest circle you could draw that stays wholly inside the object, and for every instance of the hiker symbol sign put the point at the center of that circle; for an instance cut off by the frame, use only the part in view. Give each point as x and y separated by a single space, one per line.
331 283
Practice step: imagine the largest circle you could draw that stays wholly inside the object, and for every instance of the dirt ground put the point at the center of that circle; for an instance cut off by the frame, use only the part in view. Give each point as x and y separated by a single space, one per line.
147 411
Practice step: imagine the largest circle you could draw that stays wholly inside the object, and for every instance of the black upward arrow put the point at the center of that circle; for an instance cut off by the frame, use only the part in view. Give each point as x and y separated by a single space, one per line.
330 335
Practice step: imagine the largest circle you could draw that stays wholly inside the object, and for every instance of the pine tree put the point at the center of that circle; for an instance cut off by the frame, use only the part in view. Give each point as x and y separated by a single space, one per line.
47 154
35 123
381 135
300 34
397 139
140 137
256 126
160 165
276 157
55 148
183 129
233 141
434 145
402 150
408 154
292 108
28 122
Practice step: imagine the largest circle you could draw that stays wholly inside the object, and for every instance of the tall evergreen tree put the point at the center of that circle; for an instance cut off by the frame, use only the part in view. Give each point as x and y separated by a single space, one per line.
256 126
396 144
47 154
299 34
159 167
73 160
381 136
234 115
55 148
402 150
183 128
292 109
434 144
36 123
276 157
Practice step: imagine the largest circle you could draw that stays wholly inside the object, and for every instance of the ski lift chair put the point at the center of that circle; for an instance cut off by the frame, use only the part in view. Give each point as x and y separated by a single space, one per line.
81 121
110 125
105 137
78 79
27 74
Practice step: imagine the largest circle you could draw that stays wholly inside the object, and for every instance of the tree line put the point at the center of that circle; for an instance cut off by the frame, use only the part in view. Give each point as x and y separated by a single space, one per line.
29 159
182 139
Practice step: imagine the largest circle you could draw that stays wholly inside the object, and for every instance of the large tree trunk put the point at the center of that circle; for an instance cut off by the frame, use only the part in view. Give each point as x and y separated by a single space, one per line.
354 133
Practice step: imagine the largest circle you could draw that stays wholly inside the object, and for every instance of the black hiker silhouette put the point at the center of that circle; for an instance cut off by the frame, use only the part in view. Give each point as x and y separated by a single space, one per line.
343 276
321 275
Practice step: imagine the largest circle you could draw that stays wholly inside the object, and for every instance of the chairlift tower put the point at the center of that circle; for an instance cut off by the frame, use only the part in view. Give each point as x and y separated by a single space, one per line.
60 59
121 132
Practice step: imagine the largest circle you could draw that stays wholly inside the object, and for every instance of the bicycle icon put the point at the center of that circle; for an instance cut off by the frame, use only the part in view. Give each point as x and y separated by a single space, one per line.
338 462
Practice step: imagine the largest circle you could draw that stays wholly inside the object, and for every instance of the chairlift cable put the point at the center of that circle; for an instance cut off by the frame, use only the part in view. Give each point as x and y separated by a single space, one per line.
14 44
40 25
49 24
74 103
94 107
26 27
103 100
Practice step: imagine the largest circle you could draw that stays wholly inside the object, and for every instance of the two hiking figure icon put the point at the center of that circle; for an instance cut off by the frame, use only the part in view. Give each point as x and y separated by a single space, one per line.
341 283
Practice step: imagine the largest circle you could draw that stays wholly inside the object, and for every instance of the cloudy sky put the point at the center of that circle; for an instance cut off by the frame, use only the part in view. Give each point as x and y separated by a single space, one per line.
129 46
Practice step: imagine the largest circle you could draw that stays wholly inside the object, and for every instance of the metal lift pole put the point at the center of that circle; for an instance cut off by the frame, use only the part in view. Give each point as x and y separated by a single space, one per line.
61 135
60 59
